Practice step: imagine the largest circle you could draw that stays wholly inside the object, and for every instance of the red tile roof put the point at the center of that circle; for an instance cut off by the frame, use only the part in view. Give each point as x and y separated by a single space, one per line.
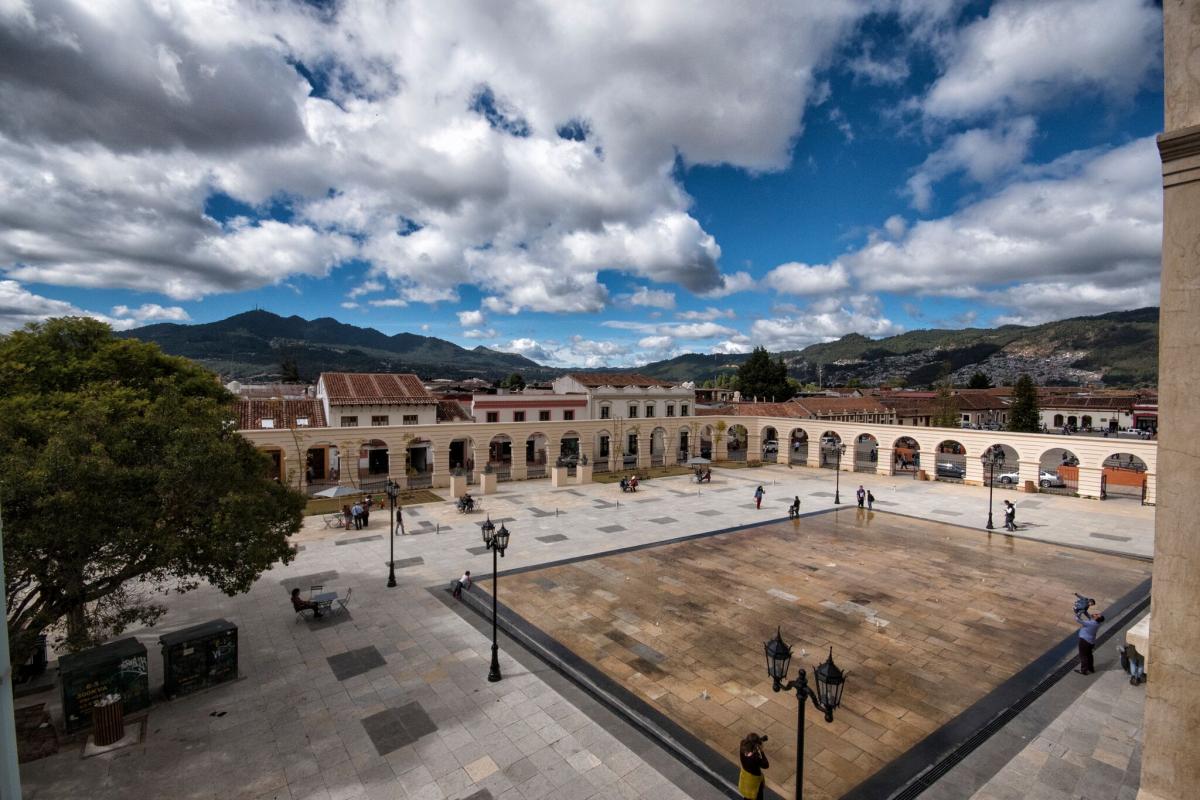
375 388
452 411
284 413
596 379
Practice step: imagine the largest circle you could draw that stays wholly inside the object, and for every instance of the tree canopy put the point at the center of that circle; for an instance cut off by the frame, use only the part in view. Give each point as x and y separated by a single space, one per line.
1024 414
513 382
123 477
763 378
946 412
979 381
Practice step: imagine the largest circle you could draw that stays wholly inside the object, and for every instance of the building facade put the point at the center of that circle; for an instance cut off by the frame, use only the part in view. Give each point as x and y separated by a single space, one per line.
628 395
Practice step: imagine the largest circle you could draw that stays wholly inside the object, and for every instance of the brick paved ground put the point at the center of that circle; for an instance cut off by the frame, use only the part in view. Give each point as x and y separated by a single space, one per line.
926 617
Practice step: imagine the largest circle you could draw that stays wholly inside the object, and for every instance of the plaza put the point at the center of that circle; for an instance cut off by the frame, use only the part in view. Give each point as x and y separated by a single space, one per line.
391 700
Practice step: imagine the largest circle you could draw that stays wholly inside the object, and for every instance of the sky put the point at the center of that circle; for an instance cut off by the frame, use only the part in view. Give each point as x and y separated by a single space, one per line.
586 184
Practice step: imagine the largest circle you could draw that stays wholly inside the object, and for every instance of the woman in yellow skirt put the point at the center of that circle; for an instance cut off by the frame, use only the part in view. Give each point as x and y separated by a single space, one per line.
753 761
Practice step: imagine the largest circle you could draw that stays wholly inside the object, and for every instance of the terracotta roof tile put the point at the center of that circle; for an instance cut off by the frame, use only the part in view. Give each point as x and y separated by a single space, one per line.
597 379
375 388
283 414
452 411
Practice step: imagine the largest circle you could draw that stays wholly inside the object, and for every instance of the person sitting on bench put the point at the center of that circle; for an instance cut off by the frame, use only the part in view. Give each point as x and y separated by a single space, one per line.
305 605
624 484
466 502
706 477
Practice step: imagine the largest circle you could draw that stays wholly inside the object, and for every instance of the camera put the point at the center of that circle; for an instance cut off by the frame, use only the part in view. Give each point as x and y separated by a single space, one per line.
763 738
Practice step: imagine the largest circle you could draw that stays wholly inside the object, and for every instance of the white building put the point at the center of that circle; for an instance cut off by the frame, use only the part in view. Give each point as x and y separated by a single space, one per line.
628 395
364 399
529 406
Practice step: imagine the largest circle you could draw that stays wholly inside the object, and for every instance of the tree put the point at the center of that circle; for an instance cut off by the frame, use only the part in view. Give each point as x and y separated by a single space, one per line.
123 477
761 377
514 382
979 381
289 372
1023 414
946 411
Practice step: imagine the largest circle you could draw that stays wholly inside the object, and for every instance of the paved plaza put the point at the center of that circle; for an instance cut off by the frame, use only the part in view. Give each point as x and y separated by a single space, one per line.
391 700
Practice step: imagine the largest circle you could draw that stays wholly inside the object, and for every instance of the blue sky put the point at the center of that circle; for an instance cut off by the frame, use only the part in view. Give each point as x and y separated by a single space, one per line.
584 185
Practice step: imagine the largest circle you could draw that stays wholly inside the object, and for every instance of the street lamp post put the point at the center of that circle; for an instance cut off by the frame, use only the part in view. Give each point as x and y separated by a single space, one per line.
393 491
990 459
497 542
840 449
828 695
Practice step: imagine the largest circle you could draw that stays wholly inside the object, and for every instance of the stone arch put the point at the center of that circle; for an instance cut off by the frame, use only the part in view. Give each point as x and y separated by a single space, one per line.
1085 422
1008 467
737 442
866 453
906 455
1123 476
707 435
830 447
500 456
604 447
770 444
322 466
798 446
1059 420
461 455
684 443
568 448
950 461
658 446
373 465
421 456
1058 471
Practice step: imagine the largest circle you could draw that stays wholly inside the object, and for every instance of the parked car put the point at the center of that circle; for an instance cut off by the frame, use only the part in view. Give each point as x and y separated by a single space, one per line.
1046 479
946 469
771 446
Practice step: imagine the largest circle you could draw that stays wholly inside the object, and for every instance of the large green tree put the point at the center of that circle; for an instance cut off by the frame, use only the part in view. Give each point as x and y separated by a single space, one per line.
979 381
1023 414
122 477
763 378
946 413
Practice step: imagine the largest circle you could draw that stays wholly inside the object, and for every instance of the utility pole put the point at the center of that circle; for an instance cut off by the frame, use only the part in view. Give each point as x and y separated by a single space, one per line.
10 775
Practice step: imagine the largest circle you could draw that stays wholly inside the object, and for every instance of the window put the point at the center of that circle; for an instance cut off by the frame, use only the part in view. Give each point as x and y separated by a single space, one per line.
543 416
632 449
349 422
604 412
632 411
379 420
518 416
603 447
649 409
266 423
301 422
683 410
569 415
493 416
670 409
410 419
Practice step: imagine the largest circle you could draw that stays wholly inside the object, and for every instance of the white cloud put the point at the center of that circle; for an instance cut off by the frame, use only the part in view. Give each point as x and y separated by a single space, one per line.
652 298
490 333
366 287
795 278
400 164
824 321
470 318
348 304
1025 55
1088 220
656 343
981 153
389 302
732 346
707 315
152 312
895 226
838 118
1038 302
732 284
19 306
889 71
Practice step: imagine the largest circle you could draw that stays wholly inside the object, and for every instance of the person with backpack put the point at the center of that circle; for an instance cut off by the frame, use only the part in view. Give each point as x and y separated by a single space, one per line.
870 500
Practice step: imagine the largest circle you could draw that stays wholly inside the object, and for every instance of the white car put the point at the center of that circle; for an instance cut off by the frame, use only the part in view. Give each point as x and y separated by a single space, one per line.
770 446
1046 479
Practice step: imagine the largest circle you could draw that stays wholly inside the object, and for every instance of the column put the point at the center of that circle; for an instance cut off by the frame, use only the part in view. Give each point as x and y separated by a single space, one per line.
1089 482
398 465
754 449
1170 769
440 450
643 453
1029 471
720 448
348 464
519 470
975 471
886 463
1151 489
671 448
481 456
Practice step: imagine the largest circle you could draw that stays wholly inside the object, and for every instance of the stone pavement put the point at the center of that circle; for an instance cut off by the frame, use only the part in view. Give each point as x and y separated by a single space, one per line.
316 715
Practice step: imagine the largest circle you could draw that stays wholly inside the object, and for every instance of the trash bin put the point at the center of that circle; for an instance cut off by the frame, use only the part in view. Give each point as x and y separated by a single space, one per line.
108 720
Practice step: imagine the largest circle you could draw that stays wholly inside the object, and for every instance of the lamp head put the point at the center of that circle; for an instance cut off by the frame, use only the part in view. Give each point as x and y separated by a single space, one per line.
488 529
779 655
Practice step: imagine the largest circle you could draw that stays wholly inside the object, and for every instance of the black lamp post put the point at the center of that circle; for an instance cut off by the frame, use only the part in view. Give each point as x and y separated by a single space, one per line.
497 542
840 450
393 491
828 696
990 458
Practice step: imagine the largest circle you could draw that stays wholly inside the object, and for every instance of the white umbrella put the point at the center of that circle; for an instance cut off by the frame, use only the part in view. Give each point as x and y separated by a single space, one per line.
337 491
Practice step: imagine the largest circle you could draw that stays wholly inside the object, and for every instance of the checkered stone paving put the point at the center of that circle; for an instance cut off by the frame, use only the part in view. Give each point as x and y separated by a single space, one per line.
926 617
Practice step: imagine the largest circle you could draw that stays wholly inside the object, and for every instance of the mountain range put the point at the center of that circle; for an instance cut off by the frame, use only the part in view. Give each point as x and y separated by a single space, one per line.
1119 348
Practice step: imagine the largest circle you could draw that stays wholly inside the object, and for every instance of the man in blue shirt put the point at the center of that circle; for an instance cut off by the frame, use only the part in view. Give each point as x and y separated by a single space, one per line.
1088 627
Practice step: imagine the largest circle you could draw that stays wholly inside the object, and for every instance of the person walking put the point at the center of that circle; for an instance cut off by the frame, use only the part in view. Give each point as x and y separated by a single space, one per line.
356 511
1010 516
753 761
1089 626
861 494
758 496
870 500
366 510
